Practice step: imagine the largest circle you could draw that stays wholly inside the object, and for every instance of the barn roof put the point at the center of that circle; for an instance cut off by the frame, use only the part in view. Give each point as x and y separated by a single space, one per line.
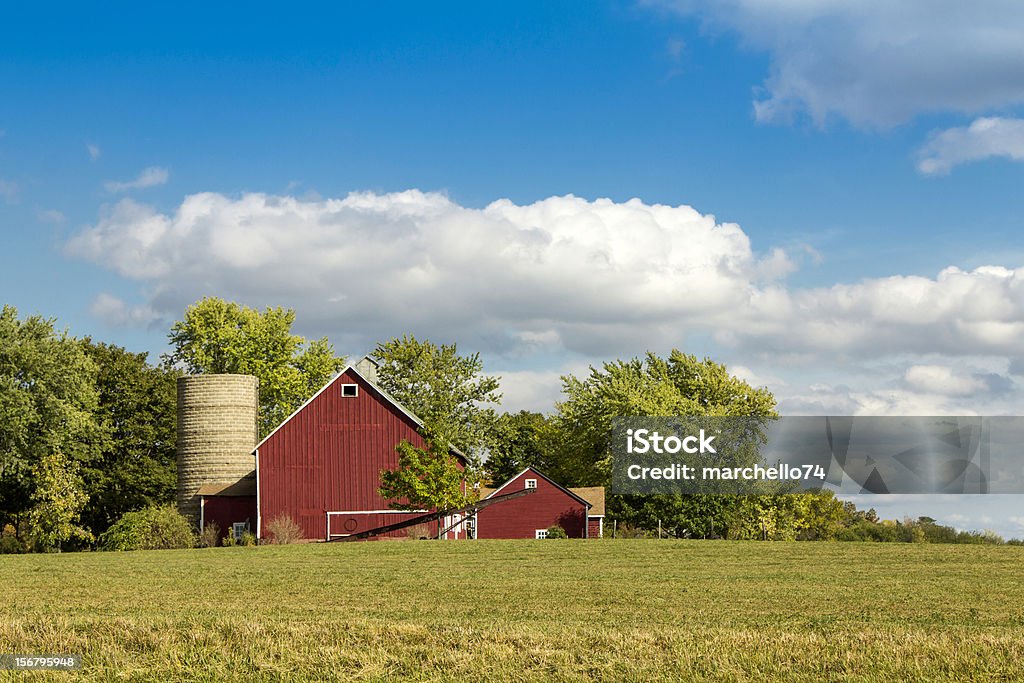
362 375
571 492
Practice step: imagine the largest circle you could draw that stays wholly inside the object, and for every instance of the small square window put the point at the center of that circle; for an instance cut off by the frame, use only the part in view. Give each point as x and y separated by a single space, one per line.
541 533
349 390
531 483
239 528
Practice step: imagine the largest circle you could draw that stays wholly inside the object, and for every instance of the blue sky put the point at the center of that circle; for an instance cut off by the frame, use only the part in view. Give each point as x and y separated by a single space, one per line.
854 173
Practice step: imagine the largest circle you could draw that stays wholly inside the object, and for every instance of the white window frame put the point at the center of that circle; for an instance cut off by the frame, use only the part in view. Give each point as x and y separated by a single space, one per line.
237 529
540 533
344 387
531 483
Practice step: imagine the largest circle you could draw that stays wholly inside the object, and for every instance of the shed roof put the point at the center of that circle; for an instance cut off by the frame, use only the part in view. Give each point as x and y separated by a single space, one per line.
246 486
593 495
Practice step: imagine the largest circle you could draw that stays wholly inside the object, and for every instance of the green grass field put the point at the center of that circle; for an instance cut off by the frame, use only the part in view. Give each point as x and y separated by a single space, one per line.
524 610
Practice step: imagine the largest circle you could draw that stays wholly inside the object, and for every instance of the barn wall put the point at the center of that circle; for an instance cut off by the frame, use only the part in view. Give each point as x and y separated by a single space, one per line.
226 510
594 527
521 517
330 455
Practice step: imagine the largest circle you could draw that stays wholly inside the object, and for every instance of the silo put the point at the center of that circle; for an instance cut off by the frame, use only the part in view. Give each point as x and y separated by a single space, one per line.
217 430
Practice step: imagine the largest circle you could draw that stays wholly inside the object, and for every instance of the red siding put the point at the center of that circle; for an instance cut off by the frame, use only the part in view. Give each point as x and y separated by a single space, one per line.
593 527
522 517
329 456
226 510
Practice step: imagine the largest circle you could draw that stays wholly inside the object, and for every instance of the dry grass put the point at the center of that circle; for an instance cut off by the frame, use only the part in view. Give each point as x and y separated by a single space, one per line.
525 610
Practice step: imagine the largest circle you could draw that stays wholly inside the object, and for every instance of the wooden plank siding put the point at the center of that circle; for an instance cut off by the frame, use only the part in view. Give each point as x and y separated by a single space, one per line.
328 458
521 518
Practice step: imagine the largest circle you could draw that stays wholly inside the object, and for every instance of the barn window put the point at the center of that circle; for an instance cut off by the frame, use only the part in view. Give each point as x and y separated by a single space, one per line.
541 533
531 483
237 529
349 390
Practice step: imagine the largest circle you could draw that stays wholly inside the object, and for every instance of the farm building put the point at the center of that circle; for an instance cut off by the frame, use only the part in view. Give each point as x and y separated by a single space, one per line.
579 511
321 467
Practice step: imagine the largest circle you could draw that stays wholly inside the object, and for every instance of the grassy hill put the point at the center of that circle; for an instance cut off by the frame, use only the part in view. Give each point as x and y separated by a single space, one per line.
515 610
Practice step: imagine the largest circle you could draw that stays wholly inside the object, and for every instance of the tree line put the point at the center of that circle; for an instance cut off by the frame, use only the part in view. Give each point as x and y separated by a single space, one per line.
87 429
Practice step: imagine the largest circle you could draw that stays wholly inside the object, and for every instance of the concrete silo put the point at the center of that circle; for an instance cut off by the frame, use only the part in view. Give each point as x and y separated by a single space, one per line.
217 430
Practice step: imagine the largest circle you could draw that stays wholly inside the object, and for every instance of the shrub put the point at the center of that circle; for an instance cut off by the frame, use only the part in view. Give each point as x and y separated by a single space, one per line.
419 532
210 536
283 530
248 539
229 540
556 532
158 527
11 545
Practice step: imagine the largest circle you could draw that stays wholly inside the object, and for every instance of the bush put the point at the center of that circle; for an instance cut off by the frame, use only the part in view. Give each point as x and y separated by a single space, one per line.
556 532
11 545
229 540
153 528
210 536
419 532
248 539
283 530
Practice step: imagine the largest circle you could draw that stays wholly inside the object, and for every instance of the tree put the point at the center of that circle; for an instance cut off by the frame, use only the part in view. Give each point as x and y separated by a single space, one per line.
521 441
137 406
425 479
218 336
58 500
680 385
48 401
447 391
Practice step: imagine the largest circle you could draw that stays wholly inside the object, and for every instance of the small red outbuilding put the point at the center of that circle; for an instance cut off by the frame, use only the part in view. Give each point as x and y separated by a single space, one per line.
579 511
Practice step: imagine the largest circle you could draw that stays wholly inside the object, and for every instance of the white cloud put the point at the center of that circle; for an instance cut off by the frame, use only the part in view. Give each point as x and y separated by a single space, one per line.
876 62
9 191
983 139
580 274
93 150
942 380
149 177
114 311
561 274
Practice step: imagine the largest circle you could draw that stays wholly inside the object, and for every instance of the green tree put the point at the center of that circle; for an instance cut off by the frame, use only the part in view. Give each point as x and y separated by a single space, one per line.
521 441
218 336
653 386
455 400
425 479
137 408
58 500
447 391
48 402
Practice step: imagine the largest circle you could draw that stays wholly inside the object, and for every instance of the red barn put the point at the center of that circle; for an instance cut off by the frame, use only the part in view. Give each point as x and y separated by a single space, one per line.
322 465
579 511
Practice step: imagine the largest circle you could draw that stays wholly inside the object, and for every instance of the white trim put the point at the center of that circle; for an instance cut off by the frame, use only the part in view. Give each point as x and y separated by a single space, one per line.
528 482
346 386
540 533
202 513
259 518
377 512
327 526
